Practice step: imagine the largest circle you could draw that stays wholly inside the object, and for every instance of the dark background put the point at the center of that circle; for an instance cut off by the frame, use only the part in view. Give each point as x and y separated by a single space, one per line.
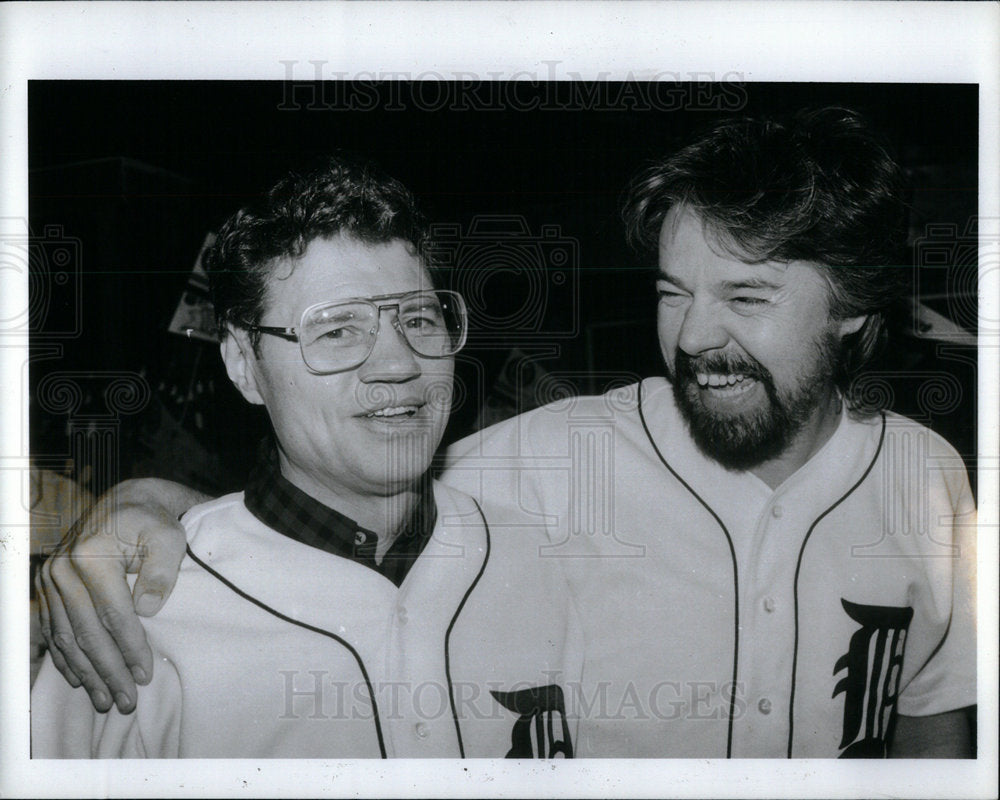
127 177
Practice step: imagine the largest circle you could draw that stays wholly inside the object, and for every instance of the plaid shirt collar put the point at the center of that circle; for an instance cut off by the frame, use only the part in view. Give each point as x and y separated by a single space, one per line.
280 505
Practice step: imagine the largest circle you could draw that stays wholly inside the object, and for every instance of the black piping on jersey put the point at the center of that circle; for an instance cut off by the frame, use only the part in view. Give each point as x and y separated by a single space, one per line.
736 579
795 585
447 635
357 656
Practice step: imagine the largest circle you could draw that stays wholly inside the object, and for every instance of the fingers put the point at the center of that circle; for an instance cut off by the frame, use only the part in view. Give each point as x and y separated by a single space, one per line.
47 634
69 645
88 617
163 553
110 601
135 536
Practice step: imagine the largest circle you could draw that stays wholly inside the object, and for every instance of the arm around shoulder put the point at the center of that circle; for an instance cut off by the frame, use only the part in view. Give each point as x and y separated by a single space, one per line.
88 614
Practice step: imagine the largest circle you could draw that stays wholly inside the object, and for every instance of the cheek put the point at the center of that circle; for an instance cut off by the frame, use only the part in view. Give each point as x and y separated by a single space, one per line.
668 322
304 407
442 401
786 347
441 391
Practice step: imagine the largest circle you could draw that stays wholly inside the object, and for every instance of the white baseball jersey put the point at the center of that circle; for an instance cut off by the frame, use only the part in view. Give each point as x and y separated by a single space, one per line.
724 618
271 648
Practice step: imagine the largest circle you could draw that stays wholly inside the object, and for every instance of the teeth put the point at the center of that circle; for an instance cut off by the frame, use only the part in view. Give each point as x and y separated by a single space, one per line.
718 379
394 411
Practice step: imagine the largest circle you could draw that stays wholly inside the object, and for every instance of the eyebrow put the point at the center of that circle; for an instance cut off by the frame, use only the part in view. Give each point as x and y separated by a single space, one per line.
666 276
340 316
749 283
729 286
425 299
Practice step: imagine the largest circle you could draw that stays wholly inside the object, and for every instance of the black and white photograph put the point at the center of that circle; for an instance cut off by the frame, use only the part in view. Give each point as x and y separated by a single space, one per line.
387 432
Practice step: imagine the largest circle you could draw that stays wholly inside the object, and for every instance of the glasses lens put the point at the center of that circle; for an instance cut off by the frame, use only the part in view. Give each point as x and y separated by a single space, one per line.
338 336
434 323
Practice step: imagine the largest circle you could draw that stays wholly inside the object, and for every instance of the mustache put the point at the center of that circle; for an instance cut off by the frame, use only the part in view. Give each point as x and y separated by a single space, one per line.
687 366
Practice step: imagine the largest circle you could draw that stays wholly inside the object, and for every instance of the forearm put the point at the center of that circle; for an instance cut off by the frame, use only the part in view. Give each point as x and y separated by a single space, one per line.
173 498
946 735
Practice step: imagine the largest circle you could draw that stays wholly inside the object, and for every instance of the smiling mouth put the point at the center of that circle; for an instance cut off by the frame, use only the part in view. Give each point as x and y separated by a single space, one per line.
717 379
393 412
725 384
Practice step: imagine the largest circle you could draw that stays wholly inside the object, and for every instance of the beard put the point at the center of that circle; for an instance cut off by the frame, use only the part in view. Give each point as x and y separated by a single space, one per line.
745 439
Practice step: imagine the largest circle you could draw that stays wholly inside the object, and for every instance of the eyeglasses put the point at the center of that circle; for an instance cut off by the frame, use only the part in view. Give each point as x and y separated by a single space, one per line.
340 335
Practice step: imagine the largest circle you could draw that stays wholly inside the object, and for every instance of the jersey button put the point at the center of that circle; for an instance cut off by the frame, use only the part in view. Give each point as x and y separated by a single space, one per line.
422 730
769 604
777 511
401 615
764 706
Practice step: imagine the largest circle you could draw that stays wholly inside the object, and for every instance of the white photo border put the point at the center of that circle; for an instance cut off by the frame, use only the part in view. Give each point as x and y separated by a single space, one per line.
776 41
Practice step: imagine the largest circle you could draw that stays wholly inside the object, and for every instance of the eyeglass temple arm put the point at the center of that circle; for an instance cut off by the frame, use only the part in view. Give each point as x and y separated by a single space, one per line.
284 333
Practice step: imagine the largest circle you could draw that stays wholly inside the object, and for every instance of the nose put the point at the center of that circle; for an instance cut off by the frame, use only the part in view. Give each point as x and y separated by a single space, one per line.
391 359
701 329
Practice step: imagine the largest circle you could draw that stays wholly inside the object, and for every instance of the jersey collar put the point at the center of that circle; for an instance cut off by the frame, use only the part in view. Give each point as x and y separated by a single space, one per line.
281 505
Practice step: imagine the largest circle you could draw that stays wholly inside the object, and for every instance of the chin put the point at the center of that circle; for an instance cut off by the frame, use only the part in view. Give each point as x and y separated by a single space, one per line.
405 463
739 440
399 484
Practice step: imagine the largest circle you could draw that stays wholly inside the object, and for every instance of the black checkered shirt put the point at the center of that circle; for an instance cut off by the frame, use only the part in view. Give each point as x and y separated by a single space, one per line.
280 505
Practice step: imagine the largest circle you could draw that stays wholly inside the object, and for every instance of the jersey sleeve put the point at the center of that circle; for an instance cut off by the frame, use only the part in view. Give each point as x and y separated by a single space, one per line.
947 681
64 724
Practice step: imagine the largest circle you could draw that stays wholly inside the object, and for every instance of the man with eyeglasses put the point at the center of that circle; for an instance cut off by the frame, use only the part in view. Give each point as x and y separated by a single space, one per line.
344 605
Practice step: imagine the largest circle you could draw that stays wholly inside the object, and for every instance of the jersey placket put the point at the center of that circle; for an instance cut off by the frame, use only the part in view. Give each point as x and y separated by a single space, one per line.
767 629
423 721
415 692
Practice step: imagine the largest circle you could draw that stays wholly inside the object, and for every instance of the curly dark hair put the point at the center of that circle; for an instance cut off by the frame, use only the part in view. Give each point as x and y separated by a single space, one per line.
821 186
343 194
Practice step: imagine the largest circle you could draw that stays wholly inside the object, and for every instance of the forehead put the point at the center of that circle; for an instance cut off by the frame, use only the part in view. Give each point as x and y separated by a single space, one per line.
687 241
340 267
692 252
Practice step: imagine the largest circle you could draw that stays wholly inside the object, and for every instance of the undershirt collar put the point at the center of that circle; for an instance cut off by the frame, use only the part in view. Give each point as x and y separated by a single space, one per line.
281 505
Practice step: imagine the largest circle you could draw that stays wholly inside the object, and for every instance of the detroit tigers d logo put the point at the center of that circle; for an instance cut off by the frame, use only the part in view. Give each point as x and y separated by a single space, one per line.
534 732
874 662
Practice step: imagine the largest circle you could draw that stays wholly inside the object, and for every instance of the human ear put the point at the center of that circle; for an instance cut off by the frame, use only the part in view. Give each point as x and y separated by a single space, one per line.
239 358
851 325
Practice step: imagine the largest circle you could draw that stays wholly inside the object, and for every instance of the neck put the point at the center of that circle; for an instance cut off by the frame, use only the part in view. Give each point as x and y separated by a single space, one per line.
814 434
387 515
